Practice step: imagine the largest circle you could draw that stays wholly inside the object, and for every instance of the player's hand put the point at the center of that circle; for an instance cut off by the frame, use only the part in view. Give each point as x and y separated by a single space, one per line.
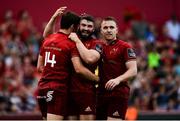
97 79
73 36
59 11
111 84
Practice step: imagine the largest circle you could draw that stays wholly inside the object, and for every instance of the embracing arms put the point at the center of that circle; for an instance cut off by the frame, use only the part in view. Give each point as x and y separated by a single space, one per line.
50 27
90 56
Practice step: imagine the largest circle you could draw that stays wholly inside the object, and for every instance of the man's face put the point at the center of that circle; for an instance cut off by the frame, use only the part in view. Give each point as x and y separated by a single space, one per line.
109 30
86 28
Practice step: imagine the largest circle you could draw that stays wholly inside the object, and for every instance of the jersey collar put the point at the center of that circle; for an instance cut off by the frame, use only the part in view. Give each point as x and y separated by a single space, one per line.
112 42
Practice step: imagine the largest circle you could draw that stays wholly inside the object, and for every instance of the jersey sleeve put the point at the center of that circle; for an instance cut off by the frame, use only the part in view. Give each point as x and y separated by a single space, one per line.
98 46
74 51
129 53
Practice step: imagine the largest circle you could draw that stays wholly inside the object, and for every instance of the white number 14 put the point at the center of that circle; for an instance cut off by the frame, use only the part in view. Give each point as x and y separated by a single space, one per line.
48 60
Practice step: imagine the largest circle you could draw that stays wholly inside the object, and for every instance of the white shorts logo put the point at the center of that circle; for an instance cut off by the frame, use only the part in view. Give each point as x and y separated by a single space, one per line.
88 109
116 113
49 96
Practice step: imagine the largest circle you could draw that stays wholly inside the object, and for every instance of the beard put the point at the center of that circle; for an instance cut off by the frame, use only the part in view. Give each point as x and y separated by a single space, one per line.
84 37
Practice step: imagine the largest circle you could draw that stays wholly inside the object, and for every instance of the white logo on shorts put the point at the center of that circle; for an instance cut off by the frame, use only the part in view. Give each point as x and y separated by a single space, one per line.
88 109
116 113
49 96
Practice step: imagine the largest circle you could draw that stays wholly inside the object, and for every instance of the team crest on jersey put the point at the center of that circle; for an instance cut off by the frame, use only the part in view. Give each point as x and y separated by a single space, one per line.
114 50
131 53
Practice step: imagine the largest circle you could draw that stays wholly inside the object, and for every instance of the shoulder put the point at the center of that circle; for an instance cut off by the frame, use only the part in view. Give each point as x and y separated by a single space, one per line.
51 37
128 49
124 44
98 41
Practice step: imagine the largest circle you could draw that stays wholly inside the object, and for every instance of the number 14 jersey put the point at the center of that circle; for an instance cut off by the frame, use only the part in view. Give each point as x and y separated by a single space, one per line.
57 51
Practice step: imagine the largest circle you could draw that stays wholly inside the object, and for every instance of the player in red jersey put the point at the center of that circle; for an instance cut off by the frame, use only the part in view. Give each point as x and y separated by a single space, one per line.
117 66
54 61
79 87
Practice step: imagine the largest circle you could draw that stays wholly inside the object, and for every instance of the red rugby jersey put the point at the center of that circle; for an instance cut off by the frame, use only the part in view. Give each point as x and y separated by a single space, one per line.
114 57
79 84
57 51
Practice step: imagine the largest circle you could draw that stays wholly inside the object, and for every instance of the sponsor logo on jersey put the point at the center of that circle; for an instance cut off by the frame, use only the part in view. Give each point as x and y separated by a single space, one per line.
98 48
131 53
114 50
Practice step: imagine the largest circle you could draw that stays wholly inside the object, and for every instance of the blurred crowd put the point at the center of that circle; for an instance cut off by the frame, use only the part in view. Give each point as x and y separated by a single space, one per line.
156 87
19 47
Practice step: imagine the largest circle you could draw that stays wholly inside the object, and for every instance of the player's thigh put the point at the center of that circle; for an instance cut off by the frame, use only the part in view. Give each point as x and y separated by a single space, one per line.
56 102
54 117
86 103
72 109
117 107
101 108
41 99
87 117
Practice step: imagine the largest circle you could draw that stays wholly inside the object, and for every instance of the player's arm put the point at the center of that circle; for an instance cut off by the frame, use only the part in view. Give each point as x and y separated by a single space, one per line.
88 55
40 64
131 72
50 27
83 71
